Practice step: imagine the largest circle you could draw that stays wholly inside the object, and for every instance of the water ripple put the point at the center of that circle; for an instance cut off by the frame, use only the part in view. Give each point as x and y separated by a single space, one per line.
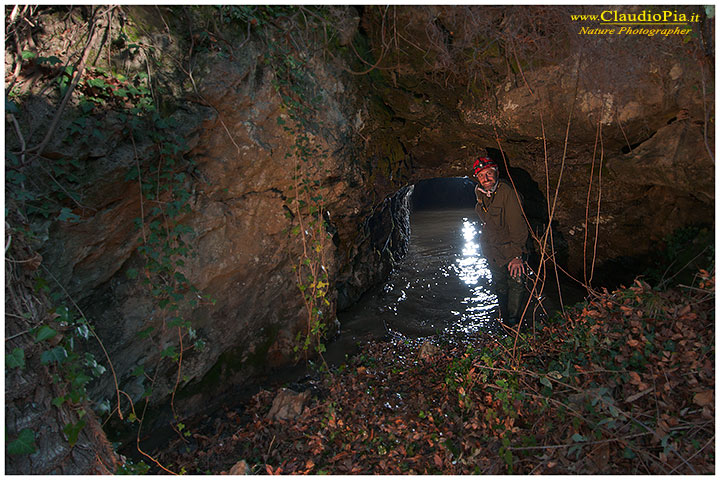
441 286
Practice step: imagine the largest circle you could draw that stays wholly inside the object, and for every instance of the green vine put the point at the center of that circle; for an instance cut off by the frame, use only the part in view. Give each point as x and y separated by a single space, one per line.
305 206
166 192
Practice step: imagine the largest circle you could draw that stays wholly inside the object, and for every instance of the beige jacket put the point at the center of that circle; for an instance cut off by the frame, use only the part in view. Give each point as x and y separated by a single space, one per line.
504 231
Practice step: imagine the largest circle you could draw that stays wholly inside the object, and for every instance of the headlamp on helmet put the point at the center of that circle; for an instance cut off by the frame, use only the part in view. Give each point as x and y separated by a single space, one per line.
482 163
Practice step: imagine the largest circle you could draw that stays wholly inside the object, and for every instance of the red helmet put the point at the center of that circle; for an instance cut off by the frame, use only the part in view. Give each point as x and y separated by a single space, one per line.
482 163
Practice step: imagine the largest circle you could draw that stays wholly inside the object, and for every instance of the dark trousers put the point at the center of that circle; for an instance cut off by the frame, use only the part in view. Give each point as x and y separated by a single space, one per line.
511 294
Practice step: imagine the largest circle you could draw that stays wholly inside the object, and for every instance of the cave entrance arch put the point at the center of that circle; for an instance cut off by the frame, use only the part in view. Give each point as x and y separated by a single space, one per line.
442 284
444 225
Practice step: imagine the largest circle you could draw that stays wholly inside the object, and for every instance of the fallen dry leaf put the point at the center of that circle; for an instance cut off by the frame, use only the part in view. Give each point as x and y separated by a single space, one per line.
704 398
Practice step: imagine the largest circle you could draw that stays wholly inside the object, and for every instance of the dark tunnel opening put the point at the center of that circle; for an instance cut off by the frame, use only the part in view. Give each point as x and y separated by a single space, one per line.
459 193
453 192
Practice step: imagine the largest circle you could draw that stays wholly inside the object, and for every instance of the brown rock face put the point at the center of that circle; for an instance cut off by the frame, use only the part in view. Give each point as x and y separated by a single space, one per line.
615 118
674 158
462 80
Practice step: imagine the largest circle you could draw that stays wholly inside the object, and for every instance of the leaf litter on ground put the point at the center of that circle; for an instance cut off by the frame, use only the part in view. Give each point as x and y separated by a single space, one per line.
620 384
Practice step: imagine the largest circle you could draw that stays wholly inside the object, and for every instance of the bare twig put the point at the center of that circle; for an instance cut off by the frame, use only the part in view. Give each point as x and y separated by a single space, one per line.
21 139
142 205
17 334
566 445
383 51
597 219
694 455
665 282
177 382
622 130
38 150
587 203
706 111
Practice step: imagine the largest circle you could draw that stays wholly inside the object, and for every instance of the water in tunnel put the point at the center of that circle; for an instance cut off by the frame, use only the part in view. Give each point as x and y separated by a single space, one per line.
443 284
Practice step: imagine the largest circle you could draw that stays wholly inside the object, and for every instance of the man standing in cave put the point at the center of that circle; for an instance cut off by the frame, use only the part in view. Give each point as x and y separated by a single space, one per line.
503 237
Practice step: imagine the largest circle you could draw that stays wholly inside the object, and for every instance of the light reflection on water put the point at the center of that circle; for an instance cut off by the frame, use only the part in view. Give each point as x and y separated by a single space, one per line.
441 286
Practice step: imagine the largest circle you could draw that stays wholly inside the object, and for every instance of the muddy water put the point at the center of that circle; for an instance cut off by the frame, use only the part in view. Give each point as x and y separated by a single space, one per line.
442 286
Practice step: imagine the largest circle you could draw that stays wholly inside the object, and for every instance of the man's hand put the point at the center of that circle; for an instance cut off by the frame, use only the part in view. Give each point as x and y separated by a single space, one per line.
516 267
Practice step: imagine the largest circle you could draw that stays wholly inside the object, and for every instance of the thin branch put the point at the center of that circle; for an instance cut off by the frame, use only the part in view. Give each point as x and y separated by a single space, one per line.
707 113
17 334
582 444
694 455
587 203
382 51
38 150
665 282
597 219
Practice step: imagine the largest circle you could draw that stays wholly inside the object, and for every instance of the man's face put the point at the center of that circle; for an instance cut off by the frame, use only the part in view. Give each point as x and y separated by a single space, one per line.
487 178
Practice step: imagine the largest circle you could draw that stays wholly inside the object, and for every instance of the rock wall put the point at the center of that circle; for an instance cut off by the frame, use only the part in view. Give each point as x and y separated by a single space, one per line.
240 182
624 118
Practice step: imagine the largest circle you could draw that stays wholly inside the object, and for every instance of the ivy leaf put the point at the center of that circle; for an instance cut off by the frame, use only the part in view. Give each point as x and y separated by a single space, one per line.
26 55
11 106
66 215
103 407
57 354
83 331
176 322
51 60
80 380
97 82
72 430
63 314
58 401
146 333
628 453
24 445
16 359
169 352
15 177
45 333
41 285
